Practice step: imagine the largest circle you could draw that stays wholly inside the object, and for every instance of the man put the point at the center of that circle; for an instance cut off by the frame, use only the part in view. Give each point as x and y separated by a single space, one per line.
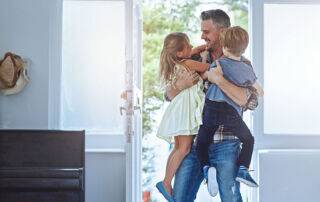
224 150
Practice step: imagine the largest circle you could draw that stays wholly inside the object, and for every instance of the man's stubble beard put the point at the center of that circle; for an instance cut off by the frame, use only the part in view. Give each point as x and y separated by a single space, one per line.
214 48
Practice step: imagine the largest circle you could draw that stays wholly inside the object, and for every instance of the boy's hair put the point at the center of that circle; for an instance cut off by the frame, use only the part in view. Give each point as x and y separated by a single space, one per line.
217 16
173 43
235 39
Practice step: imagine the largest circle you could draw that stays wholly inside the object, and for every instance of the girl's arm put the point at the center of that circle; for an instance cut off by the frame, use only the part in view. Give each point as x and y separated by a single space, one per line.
196 66
198 49
204 75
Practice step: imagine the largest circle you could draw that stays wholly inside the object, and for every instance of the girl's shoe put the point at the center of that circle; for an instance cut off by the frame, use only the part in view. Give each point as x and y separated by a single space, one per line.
162 189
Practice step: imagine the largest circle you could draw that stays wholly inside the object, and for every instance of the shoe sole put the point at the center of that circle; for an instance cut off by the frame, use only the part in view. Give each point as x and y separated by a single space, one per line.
212 182
250 184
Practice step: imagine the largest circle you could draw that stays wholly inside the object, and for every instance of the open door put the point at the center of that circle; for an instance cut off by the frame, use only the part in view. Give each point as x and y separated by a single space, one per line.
285 49
132 95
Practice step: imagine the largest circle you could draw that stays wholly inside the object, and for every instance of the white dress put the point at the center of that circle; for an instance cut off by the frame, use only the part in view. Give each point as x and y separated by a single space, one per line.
183 116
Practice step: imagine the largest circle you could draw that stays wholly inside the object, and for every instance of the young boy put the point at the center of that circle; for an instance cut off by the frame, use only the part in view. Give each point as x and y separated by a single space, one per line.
221 110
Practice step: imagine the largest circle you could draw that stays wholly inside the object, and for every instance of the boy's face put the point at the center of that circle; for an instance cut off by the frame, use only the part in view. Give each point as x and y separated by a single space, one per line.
210 33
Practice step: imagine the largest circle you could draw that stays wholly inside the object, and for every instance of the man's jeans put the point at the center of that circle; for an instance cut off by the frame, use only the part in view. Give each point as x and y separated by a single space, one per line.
223 156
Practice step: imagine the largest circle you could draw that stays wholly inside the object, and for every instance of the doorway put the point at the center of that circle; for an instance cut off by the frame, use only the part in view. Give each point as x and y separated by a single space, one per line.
159 19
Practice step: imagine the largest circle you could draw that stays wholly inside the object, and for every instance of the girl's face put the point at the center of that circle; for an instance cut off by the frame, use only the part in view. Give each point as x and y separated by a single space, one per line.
186 51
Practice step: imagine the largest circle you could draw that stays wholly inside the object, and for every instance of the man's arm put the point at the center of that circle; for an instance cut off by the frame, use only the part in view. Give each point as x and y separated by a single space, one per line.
238 94
184 80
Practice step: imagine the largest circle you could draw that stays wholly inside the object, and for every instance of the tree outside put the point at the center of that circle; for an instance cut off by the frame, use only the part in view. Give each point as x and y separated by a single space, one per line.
159 19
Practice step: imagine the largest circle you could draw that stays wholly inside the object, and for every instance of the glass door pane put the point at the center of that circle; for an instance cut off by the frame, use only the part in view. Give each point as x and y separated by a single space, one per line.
291 69
93 65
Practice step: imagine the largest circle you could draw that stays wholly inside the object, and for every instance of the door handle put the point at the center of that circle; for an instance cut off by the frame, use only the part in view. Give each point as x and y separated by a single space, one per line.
121 110
129 111
137 108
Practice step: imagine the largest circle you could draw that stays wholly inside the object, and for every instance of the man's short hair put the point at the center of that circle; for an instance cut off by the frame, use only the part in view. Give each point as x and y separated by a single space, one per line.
217 16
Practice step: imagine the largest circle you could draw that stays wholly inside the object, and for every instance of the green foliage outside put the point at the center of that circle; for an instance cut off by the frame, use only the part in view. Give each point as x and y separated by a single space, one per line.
159 20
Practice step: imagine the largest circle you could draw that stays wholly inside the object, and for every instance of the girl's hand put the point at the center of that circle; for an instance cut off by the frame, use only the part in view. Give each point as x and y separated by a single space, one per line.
198 49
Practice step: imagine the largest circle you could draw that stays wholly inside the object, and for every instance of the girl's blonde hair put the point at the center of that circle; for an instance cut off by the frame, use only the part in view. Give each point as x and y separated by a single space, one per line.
173 43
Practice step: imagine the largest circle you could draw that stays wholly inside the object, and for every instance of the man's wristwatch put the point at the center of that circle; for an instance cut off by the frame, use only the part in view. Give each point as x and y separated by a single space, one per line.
252 102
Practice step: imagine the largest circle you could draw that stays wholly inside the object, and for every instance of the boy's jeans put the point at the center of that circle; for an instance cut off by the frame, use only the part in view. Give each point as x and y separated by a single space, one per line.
216 114
223 156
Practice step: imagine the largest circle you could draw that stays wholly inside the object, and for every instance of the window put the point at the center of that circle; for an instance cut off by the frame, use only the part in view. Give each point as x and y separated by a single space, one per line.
93 65
291 69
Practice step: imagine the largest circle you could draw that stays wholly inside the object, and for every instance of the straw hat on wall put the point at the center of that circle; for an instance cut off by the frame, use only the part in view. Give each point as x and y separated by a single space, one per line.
13 74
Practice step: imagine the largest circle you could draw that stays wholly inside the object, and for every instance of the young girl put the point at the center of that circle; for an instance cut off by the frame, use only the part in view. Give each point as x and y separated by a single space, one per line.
182 117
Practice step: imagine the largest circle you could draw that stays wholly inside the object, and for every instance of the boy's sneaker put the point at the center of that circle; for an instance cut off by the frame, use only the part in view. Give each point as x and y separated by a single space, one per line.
210 174
244 177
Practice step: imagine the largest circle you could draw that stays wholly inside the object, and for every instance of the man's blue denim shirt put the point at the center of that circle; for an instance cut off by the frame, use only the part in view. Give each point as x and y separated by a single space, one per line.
238 73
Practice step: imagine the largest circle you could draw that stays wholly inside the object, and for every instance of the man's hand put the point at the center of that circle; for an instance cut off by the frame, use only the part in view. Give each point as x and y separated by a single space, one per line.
186 79
252 102
215 75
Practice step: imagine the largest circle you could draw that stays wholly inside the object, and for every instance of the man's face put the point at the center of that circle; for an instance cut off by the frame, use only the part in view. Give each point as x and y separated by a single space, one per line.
210 33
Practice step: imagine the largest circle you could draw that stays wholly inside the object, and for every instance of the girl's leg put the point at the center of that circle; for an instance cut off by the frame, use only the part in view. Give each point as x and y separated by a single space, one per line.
184 143
176 146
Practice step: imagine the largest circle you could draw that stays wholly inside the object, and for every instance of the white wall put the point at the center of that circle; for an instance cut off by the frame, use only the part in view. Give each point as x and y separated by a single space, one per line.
289 175
24 29
30 28
105 177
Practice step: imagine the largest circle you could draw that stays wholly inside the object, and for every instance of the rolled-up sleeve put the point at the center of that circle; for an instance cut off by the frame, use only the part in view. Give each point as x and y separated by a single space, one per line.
242 75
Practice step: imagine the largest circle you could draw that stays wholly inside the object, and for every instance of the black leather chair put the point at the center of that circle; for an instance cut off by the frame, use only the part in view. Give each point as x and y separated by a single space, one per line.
42 166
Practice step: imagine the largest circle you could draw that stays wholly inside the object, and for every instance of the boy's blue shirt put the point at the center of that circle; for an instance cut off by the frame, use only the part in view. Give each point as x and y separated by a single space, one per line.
237 72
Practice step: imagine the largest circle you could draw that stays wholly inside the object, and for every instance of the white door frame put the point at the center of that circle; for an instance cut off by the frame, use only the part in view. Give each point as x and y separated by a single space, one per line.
264 141
133 101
